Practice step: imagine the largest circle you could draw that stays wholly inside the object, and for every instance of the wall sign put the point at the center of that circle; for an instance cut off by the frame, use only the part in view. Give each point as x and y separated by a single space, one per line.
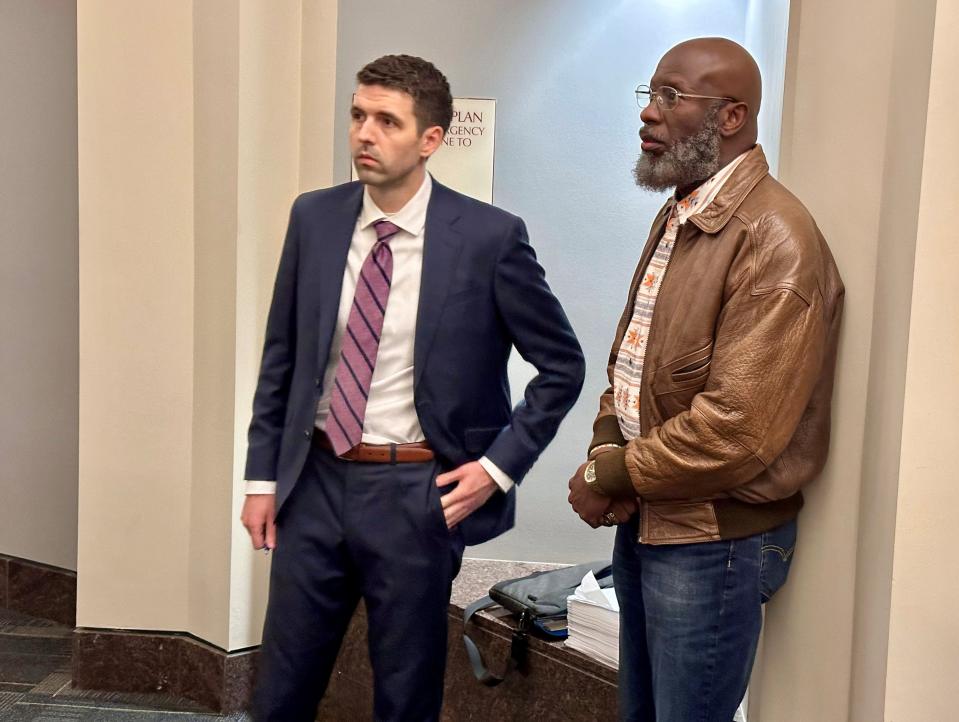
465 161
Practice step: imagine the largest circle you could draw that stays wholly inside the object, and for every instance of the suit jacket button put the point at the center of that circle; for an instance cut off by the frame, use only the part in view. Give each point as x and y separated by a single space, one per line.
317 381
308 433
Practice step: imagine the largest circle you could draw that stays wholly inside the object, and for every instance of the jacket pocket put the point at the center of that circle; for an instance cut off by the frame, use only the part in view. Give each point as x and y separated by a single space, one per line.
679 522
695 370
677 382
465 295
688 368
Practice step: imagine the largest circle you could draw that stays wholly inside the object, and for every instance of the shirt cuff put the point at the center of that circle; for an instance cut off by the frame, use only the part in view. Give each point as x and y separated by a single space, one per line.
501 479
260 487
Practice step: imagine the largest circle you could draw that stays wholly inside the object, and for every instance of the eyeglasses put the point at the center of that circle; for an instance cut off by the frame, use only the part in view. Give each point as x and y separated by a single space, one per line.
668 98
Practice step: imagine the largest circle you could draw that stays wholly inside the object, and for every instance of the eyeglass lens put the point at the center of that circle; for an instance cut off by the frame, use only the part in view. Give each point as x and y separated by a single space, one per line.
666 97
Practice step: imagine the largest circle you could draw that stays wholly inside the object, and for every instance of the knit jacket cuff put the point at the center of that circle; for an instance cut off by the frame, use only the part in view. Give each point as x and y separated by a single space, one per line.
606 431
611 474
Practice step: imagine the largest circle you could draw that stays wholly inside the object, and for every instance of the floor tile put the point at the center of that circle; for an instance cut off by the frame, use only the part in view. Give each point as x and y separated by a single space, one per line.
24 711
30 668
33 645
35 683
10 617
29 712
15 687
7 700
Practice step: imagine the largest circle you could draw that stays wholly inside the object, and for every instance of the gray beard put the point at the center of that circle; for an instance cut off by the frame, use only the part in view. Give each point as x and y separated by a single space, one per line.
688 161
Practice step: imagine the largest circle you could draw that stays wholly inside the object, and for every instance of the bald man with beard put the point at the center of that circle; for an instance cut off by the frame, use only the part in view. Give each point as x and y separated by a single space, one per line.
720 384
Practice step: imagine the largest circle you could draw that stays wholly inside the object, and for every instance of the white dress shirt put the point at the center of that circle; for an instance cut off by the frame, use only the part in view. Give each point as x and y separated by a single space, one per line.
390 413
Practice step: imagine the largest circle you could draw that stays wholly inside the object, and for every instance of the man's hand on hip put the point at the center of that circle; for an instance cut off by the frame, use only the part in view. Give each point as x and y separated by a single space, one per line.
257 517
474 488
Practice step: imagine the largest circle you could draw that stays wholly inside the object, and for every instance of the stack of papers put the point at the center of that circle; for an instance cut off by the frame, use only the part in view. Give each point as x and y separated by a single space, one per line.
593 619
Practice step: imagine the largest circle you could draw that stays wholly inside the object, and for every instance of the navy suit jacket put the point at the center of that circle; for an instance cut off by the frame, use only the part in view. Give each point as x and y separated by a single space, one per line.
482 292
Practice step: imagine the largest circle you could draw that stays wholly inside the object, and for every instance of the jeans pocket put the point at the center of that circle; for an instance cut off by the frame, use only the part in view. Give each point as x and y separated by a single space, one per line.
776 555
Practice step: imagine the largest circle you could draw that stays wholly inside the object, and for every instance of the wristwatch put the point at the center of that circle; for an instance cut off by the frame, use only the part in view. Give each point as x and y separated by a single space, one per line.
589 474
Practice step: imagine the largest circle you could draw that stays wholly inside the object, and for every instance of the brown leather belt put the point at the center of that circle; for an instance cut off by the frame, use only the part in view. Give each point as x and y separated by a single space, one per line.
417 452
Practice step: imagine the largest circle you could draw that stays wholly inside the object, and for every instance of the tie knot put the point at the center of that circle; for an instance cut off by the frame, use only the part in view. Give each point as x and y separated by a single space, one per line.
385 230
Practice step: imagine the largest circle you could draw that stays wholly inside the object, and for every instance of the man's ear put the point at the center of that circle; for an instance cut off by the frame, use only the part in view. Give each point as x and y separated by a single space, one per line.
734 118
430 141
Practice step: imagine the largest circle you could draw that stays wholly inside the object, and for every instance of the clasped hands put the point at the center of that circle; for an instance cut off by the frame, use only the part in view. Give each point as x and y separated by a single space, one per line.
595 509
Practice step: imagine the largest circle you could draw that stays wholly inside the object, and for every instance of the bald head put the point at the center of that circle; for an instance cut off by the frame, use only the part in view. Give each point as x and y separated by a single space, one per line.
690 136
717 66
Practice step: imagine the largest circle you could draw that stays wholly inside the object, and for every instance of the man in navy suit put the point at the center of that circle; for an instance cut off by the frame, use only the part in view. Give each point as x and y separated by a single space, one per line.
382 438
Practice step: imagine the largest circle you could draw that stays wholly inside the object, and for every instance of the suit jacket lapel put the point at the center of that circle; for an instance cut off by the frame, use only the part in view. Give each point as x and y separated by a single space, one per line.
333 237
442 243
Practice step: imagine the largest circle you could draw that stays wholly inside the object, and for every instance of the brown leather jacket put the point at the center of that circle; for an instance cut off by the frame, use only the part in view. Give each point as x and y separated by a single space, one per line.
738 374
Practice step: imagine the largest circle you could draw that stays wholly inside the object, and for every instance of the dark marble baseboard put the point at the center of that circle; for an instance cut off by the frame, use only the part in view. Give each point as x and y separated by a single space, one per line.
558 683
167 663
39 590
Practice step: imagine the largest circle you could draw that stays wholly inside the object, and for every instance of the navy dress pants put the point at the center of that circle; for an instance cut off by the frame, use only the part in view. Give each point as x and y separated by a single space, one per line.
690 617
354 530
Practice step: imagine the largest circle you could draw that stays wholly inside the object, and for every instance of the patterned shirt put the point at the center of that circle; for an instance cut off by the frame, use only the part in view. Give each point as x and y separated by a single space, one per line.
628 373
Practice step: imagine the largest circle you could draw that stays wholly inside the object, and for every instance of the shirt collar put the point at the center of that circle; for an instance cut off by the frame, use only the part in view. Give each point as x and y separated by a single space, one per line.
410 218
699 199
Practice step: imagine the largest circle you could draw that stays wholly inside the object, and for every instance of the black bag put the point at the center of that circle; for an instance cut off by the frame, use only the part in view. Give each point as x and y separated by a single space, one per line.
539 602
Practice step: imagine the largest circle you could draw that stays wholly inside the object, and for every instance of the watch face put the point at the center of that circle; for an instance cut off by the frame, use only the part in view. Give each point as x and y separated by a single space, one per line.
590 473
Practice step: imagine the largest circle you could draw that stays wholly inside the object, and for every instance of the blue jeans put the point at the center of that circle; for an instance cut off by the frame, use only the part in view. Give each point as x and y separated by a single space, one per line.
690 619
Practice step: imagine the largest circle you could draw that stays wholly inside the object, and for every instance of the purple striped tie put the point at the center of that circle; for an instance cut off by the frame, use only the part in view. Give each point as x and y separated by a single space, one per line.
351 386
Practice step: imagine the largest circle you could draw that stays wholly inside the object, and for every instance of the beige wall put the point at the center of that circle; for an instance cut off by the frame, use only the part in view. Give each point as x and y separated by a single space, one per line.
852 150
38 281
822 132
273 66
136 312
911 54
190 136
215 112
923 660
286 75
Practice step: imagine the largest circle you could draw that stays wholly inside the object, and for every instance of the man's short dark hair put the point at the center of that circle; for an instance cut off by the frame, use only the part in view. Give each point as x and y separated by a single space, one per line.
418 78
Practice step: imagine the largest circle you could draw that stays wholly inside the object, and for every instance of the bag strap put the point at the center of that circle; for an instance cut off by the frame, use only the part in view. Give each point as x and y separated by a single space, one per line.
518 646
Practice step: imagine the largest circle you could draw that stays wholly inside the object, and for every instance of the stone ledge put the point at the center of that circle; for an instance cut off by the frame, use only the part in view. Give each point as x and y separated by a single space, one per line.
559 683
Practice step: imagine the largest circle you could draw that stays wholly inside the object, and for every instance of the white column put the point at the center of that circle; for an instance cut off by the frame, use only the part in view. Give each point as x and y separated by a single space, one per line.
923 659
192 151
854 111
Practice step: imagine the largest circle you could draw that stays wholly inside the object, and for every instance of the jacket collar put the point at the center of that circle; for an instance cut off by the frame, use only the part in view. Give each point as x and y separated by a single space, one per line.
717 214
